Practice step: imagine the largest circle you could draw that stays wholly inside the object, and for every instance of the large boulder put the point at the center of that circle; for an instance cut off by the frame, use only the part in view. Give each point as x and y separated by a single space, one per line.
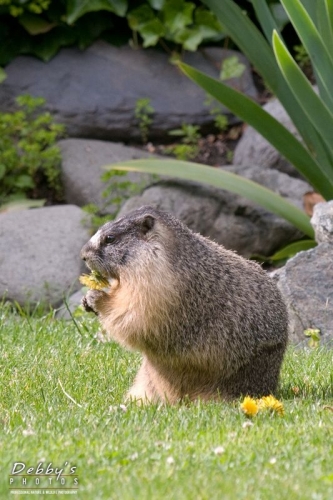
82 162
40 254
94 93
254 149
306 281
228 219
322 222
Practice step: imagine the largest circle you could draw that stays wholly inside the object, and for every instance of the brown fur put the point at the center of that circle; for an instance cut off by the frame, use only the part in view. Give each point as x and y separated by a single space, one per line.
209 323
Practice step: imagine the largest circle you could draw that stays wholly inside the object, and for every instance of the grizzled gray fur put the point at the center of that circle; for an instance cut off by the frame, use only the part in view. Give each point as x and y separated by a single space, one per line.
209 323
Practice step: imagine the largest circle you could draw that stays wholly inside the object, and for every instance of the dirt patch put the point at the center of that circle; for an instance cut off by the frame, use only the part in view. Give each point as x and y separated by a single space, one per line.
214 149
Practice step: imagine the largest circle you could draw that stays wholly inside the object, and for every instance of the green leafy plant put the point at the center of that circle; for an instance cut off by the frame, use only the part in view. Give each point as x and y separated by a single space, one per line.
177 21
281 256
231 67
188 147
16 8
216 111
29 155
42 27
311 112
313 157
117 190
143 112
302 57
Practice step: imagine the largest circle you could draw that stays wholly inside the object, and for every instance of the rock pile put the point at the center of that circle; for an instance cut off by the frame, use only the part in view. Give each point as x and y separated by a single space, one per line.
95 94
306 281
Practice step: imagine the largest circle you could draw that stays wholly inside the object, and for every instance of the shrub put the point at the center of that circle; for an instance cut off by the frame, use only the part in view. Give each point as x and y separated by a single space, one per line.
42 27
29 156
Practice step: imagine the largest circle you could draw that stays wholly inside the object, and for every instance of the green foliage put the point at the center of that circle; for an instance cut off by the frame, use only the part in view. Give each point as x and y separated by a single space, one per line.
293 249
183 151
42 27
94 219
189 137
17 8
177 21
215 109
281 256
117 190
189 133
312 114
313 157
77 8
301 56
28 150
232 67
123 451
143 112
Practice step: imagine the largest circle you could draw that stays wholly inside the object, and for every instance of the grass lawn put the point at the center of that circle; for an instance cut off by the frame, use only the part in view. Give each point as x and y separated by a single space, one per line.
199 451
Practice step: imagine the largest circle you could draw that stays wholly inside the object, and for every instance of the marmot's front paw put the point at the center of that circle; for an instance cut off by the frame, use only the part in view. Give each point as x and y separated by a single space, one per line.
91 299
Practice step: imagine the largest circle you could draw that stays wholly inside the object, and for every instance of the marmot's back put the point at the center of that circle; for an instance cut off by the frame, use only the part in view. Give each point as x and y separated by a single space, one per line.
207 321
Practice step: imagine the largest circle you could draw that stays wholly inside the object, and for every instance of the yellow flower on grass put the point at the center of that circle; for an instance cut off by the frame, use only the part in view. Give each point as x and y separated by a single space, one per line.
271 403
94 281
250 406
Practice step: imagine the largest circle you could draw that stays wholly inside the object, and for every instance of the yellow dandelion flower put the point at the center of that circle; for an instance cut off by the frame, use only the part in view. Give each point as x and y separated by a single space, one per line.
271 403
94 281
249 406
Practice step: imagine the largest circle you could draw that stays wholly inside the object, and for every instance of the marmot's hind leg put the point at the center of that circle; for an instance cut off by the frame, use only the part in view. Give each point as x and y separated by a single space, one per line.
143 390
259 377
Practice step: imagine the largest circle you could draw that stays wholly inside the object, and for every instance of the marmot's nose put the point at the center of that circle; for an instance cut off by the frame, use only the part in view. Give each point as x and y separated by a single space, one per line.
86 252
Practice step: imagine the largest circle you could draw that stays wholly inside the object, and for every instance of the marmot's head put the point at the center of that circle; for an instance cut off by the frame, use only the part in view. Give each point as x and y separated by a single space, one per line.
133 243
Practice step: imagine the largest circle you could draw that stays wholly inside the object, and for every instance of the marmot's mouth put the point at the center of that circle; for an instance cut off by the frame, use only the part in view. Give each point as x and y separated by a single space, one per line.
106 274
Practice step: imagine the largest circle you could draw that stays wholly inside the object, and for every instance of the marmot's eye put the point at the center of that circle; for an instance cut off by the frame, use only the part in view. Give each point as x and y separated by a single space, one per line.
110 238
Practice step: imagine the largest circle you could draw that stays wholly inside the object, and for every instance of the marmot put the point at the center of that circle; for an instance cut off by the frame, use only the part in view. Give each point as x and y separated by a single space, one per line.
209 323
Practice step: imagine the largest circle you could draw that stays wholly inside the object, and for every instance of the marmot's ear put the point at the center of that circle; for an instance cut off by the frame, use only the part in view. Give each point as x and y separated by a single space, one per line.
147 224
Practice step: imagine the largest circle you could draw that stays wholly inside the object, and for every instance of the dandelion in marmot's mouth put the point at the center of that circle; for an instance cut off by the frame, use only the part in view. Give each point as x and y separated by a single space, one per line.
94 281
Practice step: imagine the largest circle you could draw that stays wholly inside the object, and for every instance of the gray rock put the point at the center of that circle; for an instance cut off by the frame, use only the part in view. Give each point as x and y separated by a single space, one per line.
322 222
40 254
306 282
82 160
226 218
94 92
253 149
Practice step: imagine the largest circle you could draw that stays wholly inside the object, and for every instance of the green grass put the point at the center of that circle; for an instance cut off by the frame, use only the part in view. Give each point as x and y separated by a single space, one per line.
155 452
